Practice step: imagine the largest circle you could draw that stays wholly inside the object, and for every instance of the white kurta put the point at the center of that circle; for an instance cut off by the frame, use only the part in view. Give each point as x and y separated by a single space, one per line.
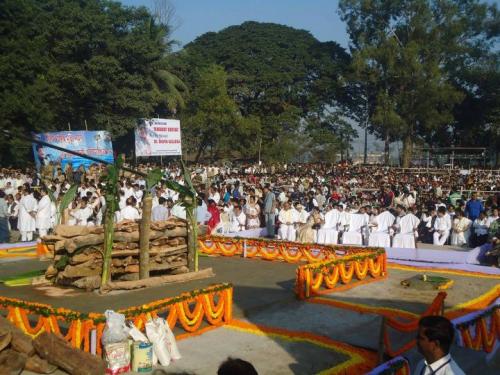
353 236
43 214
328 234
27 222
238 222
380 234
407 227
287 218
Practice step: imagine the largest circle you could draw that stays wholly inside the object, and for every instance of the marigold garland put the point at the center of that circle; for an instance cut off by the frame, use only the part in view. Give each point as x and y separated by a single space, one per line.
79 325
360 360
291 252
310 278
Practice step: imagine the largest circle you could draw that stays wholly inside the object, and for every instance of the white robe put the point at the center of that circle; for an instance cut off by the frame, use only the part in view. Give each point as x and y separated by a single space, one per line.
238 222
27 222
407 228
43 213
353 236
328 234
287 230
380 234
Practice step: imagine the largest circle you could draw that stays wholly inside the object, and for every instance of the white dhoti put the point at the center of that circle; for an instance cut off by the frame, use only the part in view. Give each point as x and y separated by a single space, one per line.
328 236
287 232
440 238
379 239
404 240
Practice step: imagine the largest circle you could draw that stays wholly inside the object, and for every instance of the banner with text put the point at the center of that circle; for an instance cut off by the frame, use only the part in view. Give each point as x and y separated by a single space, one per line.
93 143
158 137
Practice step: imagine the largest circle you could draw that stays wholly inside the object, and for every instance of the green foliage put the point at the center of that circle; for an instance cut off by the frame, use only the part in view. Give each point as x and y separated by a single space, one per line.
276 75
153 178
75 61
405 56
213 121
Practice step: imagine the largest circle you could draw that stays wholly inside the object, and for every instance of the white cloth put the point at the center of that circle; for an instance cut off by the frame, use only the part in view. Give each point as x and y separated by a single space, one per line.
443 366
159 213
179 211
27 222
129 213
380 233
287 230
353 236
407 226
442 227
238 222
328 234
43 213
82 215
460 234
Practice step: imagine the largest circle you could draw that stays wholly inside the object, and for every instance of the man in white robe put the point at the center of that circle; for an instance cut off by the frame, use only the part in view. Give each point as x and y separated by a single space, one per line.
43 214
82 214
406 228
287 217
27 214
380 232
328 234
442 227
357 221
460 229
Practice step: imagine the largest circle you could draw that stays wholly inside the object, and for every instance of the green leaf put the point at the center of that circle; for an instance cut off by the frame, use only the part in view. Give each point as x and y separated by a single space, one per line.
153 178
68 197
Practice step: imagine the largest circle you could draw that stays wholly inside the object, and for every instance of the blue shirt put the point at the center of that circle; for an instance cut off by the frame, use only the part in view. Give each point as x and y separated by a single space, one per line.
473 208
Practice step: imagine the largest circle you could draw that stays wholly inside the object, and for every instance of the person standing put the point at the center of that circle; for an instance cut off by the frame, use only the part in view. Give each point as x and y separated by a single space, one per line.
13 207
27 214
434 339
473 207
43 213
269 211
4 222
159 212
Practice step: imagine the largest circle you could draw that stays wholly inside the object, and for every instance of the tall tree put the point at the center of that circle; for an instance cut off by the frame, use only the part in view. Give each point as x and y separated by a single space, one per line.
275 72
213 121
71 62
405 50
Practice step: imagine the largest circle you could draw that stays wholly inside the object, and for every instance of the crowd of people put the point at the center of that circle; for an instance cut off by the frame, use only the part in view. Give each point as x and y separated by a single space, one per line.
327 204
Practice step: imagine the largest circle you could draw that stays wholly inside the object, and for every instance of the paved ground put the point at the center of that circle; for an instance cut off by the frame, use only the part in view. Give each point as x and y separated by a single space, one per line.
264 294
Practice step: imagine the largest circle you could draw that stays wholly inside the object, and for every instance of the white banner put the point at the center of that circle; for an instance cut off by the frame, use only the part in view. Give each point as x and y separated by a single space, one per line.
158 137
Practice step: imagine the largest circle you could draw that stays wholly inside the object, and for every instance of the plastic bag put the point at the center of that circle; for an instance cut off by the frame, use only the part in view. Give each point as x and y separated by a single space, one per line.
115 330
115 342
172 344
158 337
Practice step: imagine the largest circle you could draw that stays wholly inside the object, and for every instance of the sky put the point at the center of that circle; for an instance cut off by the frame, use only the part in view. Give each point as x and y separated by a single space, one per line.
197 17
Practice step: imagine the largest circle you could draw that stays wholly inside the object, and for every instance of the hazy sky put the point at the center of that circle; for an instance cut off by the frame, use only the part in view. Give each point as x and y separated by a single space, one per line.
197 17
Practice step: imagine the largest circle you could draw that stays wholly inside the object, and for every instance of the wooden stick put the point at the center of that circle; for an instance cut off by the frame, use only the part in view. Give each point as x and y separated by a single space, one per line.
160 280
144 237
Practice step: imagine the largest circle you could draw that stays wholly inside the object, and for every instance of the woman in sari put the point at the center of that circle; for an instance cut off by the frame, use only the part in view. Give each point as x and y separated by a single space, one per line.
307 232
252 212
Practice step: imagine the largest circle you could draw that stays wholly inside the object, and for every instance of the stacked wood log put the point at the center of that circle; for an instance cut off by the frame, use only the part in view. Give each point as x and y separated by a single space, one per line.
43 355
78 252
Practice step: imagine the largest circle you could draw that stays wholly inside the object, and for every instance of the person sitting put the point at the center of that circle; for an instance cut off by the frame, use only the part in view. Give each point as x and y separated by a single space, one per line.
380 234
434 339
287 218
308 232
406 227
238 220
83 213
328 234
460 229
442 227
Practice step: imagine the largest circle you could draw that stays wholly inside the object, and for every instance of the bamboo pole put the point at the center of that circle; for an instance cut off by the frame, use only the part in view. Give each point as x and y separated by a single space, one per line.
144 237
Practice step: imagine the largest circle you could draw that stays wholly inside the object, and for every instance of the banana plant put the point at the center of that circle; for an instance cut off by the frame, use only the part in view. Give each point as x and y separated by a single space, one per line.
111 195
66 200
187 195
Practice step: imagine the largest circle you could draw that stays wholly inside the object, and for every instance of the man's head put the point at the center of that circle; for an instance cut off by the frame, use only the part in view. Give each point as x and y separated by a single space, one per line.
441 211
161 201
170 203
435 336
474 196
234 366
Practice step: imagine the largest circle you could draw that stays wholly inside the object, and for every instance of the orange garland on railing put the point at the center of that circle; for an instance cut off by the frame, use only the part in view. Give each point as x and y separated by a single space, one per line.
434 308
189 310
312 277
484 338
290 252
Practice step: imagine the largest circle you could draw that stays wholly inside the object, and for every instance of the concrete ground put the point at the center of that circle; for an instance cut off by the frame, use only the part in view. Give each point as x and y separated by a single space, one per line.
264 294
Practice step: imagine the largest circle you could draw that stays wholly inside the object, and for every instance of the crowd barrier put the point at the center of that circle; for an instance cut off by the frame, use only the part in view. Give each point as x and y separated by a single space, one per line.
188 311
396 366
480 330
435 308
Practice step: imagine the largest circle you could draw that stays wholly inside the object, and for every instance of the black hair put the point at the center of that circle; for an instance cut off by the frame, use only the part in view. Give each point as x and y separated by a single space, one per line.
442 209
236 366
161 200
440 329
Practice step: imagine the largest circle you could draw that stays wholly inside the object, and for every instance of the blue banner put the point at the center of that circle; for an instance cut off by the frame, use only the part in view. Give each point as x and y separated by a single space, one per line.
93 143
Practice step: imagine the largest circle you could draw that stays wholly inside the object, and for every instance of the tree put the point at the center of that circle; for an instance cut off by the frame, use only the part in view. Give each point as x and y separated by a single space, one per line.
405 50
276 73
213 121
71 62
